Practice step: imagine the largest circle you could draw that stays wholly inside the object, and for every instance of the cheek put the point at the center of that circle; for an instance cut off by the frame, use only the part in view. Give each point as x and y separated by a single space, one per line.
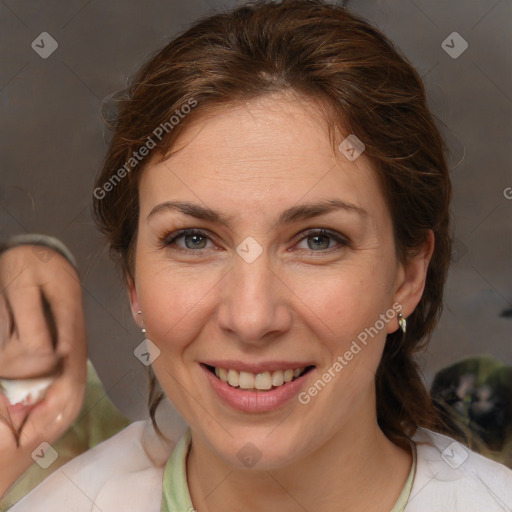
343 302
344 316
174 301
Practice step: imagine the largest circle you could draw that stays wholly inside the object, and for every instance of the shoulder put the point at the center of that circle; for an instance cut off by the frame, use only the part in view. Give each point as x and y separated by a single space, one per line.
450 476
123 473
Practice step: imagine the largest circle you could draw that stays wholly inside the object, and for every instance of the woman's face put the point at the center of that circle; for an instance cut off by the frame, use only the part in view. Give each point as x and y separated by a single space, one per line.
254 286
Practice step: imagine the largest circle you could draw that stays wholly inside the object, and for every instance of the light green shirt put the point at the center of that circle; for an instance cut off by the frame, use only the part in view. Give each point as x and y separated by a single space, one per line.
175 494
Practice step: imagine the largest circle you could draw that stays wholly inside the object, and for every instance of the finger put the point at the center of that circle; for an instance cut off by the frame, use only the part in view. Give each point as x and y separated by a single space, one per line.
65 299
6 322
30 325
62 290
64 296
15 460
54 415
64 400
13 416
25 355
16 364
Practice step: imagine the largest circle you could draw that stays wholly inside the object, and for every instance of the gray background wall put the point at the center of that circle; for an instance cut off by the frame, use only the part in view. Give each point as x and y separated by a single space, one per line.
52 143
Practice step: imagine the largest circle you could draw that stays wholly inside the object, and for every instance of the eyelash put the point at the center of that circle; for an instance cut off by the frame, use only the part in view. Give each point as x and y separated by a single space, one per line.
168 240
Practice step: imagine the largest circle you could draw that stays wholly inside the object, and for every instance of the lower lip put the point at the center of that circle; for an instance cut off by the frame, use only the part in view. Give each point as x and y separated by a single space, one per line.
256 401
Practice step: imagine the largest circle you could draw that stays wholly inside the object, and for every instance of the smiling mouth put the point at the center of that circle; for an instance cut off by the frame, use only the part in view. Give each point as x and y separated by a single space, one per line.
265 381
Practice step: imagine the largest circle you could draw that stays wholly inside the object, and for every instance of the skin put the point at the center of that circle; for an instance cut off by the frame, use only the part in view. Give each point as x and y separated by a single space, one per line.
303 298
28 351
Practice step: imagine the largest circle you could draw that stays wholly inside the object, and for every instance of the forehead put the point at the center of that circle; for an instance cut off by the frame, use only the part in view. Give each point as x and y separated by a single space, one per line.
268 153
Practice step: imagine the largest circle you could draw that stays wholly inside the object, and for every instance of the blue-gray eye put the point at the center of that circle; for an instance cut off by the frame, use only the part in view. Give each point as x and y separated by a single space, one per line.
321 240
194 239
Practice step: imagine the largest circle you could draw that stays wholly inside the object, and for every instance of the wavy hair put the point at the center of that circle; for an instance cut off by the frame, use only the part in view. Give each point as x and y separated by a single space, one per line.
329 55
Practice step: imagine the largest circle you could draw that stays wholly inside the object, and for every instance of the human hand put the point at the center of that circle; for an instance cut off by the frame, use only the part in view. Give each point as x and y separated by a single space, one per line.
42 333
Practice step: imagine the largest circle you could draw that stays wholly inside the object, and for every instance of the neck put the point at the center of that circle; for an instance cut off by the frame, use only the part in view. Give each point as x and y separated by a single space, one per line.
356 469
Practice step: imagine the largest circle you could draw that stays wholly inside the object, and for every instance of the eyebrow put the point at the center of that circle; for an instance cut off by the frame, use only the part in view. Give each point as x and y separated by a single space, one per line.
289 216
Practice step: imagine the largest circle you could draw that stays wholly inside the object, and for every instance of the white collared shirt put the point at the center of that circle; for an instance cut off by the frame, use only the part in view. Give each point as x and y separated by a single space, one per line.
125 473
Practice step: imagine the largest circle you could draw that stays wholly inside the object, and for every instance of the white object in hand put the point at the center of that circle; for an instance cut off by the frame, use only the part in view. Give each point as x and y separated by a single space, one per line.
25 391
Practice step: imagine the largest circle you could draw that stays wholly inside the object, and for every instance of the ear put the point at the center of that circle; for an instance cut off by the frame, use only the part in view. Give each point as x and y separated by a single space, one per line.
411 278
134 300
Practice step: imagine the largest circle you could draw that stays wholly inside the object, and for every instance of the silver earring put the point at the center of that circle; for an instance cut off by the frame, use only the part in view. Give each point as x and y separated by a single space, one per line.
143 329
402 322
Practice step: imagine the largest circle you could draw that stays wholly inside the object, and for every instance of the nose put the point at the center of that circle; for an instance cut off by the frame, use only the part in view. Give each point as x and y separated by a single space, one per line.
255 306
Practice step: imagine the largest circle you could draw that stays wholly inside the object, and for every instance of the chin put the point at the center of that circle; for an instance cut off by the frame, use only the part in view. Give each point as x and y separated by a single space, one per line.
257 449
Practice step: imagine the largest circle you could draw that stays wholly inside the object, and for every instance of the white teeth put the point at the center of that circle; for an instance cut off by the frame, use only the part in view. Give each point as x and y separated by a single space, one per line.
246 380
233 378
278 378
262 381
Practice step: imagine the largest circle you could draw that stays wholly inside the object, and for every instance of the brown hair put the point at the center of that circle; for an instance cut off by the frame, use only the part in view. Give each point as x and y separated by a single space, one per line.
366 87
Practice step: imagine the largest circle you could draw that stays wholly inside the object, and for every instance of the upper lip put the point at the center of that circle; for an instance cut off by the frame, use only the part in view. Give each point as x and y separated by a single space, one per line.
267 366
